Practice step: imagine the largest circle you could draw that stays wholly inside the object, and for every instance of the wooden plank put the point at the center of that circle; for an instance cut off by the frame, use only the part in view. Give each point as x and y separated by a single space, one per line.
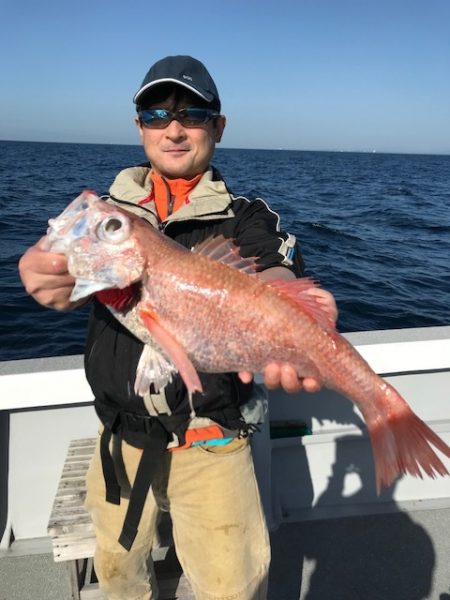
74 552
70 525
76 464
74 580
77 484
77 453
82 443
75 514
65 503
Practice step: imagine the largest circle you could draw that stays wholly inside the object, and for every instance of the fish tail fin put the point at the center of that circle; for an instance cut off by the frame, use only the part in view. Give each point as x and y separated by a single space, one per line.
402 443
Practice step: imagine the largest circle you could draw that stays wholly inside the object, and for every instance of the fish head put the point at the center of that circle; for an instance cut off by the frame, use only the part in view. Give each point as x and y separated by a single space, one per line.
98 240
63 229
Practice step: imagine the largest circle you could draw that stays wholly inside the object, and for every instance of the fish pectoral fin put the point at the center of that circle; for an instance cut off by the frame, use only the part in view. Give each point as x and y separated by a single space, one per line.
86 287
298 291
153 368
227 252
173 349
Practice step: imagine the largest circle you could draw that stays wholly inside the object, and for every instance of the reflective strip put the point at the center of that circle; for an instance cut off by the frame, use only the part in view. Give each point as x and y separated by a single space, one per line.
222 442
287 249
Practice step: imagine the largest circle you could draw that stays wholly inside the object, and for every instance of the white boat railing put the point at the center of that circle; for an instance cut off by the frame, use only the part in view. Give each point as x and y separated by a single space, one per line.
46 402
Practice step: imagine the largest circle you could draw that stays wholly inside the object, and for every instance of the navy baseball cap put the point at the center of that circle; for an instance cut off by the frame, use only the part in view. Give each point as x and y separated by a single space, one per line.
181 70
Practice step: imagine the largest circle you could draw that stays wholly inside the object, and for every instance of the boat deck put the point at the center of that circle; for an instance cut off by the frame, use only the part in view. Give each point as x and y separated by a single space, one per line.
396 556
385 556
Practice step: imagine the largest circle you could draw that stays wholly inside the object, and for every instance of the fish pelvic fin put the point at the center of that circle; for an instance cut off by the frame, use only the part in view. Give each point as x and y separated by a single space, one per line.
153 368
402 443
298 290
173 349
224 250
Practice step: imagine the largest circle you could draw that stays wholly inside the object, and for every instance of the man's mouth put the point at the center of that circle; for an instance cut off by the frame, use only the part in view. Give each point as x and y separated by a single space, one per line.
176 150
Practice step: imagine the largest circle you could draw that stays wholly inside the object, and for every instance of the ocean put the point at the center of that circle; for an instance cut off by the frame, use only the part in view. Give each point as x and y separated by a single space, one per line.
374 229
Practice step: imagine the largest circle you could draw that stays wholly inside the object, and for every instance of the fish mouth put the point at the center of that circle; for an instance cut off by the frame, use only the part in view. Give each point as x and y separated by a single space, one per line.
86 287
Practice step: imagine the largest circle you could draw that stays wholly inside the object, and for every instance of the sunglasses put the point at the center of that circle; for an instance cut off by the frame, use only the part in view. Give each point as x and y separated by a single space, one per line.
159 118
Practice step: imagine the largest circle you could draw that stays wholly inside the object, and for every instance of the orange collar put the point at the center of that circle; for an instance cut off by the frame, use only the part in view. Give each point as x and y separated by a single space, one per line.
171 194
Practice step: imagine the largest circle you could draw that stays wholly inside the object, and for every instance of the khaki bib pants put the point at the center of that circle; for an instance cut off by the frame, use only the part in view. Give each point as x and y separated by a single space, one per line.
219 528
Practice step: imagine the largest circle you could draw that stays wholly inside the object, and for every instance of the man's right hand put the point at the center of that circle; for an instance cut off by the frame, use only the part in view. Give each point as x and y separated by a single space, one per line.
45 277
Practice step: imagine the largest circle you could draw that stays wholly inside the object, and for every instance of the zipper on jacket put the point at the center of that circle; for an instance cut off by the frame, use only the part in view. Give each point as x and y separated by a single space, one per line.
170 198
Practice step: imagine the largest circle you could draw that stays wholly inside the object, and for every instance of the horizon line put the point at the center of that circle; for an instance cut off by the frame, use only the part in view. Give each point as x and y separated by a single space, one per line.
340 151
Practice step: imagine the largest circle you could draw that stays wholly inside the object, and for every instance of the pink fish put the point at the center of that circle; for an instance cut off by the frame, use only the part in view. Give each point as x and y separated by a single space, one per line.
205 310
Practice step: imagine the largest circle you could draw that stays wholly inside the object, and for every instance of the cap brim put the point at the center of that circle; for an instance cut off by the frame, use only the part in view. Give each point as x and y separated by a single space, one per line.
204 95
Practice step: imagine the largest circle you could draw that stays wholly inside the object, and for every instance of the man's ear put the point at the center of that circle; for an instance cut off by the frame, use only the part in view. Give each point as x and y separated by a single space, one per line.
219 126
139 127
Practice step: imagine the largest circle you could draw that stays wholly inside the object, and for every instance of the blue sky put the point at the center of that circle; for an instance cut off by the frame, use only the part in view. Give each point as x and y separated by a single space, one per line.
298 74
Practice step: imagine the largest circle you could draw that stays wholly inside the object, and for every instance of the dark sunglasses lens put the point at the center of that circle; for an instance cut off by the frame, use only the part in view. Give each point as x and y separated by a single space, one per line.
191 117
155 119
159 118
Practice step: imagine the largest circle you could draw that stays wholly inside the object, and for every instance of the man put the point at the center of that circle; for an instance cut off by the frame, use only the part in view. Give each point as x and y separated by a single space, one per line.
195 456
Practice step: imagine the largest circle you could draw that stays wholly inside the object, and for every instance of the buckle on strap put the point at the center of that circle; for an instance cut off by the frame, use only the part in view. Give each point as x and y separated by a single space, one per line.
137 423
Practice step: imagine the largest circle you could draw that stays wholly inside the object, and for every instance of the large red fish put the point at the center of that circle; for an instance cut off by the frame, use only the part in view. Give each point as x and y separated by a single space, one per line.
206 310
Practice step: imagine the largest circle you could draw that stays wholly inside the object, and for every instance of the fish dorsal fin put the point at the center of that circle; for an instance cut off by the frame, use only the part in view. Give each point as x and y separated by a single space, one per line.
225 251
298 290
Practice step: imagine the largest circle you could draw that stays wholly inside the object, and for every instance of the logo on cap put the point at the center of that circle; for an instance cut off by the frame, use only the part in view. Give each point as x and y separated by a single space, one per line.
188 77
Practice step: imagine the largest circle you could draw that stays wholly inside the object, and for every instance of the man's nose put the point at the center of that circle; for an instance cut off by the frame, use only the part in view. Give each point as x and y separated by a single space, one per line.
175 130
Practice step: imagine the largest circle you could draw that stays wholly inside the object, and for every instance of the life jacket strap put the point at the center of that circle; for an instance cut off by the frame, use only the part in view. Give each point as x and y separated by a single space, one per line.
148 434
153 450
109 472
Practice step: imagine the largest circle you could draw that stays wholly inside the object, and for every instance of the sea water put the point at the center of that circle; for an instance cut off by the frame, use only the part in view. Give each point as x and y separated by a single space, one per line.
374 229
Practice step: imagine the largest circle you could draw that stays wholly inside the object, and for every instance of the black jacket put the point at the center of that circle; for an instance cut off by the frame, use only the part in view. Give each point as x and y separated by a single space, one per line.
112 352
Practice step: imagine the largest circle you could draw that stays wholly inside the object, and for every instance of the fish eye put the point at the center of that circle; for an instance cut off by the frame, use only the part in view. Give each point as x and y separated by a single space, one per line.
113 224
114 229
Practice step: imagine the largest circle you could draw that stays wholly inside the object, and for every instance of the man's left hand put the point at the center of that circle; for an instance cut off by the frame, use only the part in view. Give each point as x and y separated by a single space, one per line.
285 376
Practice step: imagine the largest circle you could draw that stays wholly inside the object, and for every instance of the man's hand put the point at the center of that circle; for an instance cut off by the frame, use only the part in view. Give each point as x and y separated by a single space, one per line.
45 277
283 374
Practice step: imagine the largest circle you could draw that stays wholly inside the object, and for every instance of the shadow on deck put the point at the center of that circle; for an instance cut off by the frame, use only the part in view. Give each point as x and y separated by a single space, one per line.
397 556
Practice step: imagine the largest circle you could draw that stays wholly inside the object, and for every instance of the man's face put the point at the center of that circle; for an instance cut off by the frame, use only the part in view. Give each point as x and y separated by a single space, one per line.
177 151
